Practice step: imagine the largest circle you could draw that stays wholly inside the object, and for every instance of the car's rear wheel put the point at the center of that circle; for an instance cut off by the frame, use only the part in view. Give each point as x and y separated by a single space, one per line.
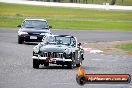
20 40
35 63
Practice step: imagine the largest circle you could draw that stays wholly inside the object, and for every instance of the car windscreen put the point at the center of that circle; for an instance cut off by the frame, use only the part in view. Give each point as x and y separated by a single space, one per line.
35 24
60 40
63 40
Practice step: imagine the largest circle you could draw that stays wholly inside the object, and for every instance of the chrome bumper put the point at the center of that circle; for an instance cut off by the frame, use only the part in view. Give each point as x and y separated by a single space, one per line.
54 59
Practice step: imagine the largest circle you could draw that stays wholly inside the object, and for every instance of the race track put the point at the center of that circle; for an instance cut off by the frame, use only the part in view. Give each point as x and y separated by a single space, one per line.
16 63
97 35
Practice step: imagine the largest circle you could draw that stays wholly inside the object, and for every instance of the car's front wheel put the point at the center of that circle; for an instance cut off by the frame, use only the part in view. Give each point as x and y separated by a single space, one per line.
78 65
70 65
20 40
46 64
35 63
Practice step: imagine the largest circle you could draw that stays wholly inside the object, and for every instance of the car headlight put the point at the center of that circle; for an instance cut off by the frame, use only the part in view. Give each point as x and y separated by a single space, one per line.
43 33
20 33
36 49
67 51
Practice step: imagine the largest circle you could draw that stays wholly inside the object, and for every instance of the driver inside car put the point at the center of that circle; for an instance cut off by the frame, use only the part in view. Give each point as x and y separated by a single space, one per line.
59 41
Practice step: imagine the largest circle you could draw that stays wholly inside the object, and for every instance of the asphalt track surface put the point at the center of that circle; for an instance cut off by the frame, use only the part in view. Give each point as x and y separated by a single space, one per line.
16 63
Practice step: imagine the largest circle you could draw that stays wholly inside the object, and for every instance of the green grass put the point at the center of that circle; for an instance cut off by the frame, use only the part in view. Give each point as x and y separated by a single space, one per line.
126 47
66 18
125 2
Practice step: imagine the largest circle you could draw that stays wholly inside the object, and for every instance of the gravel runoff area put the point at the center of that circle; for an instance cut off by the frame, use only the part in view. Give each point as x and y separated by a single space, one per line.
74 5
109 47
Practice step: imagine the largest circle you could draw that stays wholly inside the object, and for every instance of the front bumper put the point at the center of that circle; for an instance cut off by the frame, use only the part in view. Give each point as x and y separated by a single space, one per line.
52 60
27 38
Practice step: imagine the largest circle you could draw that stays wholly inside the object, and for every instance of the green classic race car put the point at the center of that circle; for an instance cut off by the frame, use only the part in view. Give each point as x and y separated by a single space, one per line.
58 49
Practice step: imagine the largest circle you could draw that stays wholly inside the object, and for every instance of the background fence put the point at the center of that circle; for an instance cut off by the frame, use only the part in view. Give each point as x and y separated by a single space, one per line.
117 2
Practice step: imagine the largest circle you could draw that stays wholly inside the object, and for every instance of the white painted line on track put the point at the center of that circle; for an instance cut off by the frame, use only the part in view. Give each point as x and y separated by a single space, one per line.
90 50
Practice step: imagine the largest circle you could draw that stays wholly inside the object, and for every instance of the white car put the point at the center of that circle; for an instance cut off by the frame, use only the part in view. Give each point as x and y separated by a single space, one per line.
58 49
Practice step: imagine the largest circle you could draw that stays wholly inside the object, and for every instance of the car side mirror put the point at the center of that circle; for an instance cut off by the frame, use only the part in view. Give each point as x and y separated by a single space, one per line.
79 44
50 26
19 26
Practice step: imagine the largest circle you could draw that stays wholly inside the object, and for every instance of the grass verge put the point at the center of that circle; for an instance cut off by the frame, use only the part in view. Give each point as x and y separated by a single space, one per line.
66 18
125 47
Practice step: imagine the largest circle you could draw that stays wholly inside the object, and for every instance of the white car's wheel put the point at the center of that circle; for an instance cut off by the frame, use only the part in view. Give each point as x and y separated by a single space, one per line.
78 65
35 63
70 65
46 64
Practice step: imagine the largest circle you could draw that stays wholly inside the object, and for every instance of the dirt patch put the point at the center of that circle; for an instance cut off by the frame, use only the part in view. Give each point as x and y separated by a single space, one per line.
109 47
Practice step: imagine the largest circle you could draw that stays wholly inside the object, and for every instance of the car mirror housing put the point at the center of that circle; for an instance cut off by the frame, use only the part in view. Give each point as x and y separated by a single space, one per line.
50 26
19 26
79 44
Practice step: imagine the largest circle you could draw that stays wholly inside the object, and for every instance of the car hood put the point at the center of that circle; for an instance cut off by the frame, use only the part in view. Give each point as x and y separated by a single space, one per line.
34 30
54 48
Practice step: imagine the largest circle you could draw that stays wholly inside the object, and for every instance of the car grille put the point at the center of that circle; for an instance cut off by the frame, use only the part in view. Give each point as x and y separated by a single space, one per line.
34 33
52 54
